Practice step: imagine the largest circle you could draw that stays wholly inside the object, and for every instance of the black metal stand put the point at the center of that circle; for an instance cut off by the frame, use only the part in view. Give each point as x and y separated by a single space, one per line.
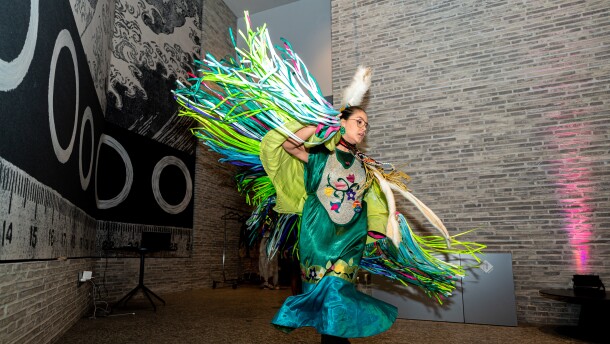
229 215
147 292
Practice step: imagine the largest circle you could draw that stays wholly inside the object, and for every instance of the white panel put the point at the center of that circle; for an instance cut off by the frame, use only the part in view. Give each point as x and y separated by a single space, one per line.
480 298
489 298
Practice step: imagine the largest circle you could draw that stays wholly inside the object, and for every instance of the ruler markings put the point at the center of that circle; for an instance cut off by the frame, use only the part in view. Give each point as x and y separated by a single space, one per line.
32 231
38 223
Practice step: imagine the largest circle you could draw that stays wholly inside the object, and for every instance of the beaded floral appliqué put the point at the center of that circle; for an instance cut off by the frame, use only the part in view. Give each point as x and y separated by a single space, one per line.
340 190
342 269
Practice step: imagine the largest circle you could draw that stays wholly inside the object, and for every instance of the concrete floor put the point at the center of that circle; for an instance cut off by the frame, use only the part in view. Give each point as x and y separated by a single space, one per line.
242 315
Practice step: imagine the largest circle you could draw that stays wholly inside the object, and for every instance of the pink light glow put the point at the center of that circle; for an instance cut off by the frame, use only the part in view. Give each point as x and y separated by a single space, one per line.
573 182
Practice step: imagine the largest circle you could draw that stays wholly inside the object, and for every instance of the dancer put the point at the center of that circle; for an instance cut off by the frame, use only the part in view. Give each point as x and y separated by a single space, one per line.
264 113
268 265
332 239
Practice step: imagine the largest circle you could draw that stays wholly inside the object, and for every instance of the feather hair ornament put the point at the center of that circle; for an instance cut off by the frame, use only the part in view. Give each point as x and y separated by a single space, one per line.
353 94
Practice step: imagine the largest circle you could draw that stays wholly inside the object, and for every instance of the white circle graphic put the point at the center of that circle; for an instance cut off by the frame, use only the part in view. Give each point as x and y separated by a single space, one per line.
14 71
87 117
113 202
166 161
64 40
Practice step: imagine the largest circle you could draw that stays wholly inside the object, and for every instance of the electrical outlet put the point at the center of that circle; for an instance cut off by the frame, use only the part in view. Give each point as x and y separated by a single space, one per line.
84 276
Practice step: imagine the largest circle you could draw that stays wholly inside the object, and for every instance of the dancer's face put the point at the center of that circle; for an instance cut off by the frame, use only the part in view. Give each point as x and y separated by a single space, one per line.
356 127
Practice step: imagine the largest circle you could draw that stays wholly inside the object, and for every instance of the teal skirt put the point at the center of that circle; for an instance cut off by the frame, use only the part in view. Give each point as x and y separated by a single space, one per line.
335 307
330 256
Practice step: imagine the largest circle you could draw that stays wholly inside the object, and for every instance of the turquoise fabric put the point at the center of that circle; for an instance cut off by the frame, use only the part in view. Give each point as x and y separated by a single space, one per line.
334 306
329 255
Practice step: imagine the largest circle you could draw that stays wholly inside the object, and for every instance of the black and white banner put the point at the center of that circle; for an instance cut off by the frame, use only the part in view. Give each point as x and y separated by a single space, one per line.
62 167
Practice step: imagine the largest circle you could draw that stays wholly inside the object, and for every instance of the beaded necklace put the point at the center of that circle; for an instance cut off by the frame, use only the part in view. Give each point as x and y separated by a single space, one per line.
373 166
367 160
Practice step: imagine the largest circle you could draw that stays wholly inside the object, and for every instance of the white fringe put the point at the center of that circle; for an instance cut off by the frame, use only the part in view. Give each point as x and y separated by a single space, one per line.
392 230
429 214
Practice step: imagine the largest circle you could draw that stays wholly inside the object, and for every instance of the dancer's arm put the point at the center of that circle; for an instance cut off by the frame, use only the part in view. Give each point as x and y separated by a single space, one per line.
297 149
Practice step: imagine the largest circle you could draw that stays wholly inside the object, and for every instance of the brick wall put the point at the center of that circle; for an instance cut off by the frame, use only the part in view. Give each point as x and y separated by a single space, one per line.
499 112
41 300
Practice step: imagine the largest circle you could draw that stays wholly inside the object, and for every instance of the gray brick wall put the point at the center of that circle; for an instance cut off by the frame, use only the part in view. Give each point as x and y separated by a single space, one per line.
40 300
498 110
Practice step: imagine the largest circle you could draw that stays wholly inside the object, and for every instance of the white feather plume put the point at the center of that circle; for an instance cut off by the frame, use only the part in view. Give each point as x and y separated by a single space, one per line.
392 227
429 214
354 93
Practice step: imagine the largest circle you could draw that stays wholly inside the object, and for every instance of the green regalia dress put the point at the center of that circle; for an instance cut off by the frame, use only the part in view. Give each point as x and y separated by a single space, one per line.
332 240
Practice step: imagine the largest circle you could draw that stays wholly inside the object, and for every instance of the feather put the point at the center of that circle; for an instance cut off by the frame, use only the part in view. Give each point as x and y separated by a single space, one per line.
353 94
392 228
429 214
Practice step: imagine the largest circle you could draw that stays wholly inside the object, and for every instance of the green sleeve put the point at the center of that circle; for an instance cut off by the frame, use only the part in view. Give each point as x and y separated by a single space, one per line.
377 210
284 170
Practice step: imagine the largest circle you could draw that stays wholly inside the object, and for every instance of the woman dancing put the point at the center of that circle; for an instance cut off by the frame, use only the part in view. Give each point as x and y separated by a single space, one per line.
332 240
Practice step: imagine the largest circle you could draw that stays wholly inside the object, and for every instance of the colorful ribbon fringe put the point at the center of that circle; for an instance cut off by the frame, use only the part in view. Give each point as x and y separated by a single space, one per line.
415 262
236 101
